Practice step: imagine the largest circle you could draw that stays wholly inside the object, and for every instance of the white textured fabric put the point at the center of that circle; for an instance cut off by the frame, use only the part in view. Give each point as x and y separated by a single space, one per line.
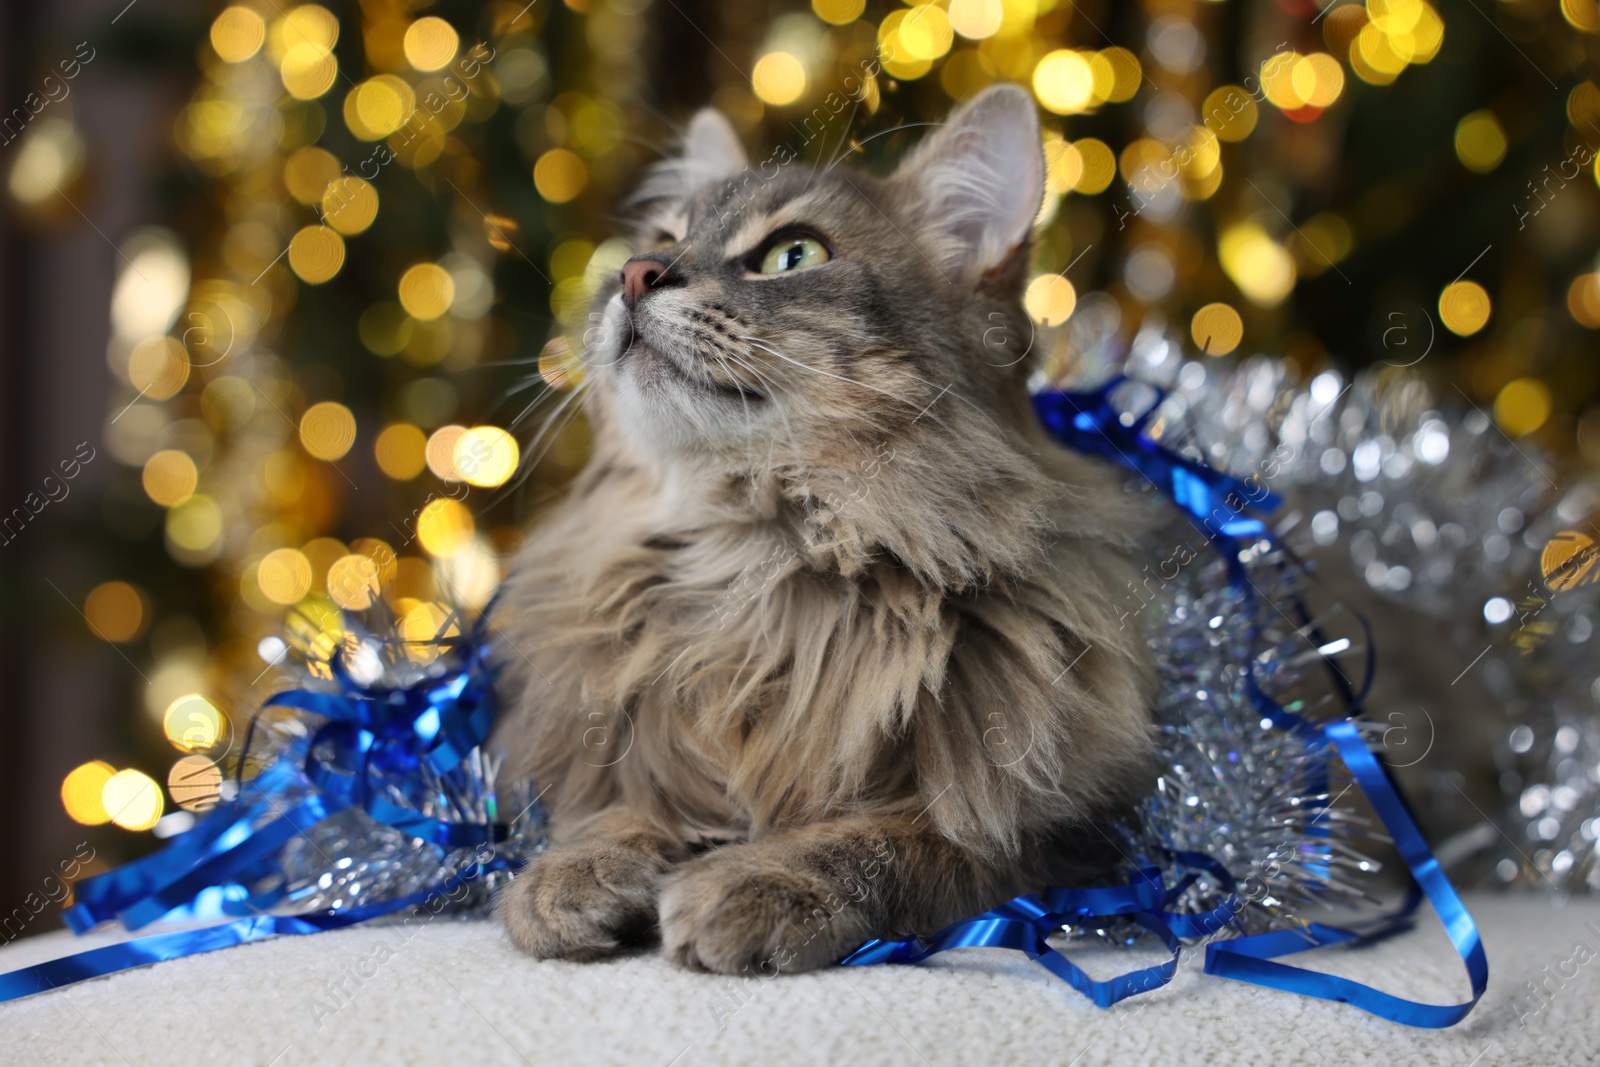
457 994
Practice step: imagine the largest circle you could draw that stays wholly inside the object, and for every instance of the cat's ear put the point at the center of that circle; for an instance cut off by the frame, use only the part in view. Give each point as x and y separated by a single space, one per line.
711 149
978 181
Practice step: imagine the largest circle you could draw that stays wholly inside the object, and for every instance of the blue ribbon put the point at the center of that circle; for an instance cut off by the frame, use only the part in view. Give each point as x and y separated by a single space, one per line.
1218 504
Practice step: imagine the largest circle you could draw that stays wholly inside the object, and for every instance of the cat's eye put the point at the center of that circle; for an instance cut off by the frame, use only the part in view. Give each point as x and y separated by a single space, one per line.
792 253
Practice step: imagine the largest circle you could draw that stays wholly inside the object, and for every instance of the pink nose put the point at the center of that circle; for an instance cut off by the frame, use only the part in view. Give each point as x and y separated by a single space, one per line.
639 275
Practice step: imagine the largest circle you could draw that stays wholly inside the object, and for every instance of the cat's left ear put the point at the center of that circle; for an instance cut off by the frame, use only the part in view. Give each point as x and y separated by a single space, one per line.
711 149
977 183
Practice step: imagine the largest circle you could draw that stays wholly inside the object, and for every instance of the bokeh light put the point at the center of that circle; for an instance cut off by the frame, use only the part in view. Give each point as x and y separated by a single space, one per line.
354 582
192 723
1063 82
315 254
1260 266
426 291
116 612
349 205
169 477
82 792
440 453
237 34
560 175
327 430
1522 406
444 527
1050 299
430 43
1480 141
195 783
1216 329
284 576
1464 307
778 78
401 451
486 456
133 800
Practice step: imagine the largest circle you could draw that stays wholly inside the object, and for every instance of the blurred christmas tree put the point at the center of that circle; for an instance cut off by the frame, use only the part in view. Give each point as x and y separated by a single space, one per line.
342 363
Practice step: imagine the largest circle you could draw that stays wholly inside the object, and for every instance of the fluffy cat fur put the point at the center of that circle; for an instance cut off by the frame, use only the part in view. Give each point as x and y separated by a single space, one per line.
822 644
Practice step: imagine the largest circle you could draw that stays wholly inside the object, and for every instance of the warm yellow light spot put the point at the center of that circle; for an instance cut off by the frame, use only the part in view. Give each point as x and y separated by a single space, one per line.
424 628
308 70
1395 17
1217 329
779 78
133 800
486 456
81 792
838 12
924 33
559 175
1317 79
569 258
115 611
426 291
430 43
1050 299
349 205
1260 266
1277 81
976 19
353 582
1464 307
1063 166
382 105
169 477
441 452
306 24
308 171
1569 560
158 367
1374 55
444 527
1126 73
1480 141
558 365
237 34
192 723
379 553
1230 113
195 782
327 430
315 254
401 451
196 524
1099 165
284 576
1522 406
1063 82
1583 300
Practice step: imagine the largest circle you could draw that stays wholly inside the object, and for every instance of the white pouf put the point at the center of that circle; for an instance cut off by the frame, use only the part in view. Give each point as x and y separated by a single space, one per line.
456 993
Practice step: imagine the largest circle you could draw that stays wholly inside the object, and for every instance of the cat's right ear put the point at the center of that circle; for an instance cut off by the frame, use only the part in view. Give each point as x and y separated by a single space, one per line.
976 183
711 148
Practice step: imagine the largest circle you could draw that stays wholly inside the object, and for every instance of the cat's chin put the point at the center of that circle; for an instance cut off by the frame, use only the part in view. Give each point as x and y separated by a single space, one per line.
662 409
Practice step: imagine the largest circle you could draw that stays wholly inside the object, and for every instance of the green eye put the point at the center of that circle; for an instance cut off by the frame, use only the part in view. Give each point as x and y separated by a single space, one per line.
793 253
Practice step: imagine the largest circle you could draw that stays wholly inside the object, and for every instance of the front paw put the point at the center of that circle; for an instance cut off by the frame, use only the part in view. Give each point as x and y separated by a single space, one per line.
742 908
584 901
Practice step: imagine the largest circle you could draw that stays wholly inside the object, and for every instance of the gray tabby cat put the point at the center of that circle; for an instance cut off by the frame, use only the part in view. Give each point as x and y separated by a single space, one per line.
823 644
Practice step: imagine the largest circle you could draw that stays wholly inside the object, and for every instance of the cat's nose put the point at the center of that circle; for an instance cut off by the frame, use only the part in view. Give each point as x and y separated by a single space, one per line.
640 275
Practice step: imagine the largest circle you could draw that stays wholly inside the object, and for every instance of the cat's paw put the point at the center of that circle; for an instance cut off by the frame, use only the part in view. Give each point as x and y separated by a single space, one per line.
748 908
583 901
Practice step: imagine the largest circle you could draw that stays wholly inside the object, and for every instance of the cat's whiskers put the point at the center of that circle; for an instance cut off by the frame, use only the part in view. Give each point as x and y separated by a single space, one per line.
773 388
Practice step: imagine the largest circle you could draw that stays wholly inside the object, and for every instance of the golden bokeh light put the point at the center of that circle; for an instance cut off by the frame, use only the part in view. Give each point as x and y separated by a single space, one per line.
560 175
308 70
430 43
1480 141
1217 329
1317 80
82 791
327 430
1464 307
237 34
158 367
838 12
116 612
315 254
424 628
170 477
445 527
195 782
353 582
306 24
1262 268
195 527
1050 299
133 800
308 172
1063 82
486 456
1583 300
379 106
924 33
426 291
1569 560
192 723
559 365
401 451
349 205
441 452
976 20
1099 165
1230 113
1063 166
1522 406
284 576
779 78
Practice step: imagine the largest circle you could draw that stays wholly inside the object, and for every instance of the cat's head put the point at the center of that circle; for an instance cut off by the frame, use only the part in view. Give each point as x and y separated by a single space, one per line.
780 313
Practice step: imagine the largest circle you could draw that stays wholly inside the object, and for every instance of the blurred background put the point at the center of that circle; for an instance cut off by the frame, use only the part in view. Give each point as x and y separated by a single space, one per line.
272 274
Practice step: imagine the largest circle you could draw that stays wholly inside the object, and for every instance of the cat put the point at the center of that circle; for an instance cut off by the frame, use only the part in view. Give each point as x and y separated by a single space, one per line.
823 643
